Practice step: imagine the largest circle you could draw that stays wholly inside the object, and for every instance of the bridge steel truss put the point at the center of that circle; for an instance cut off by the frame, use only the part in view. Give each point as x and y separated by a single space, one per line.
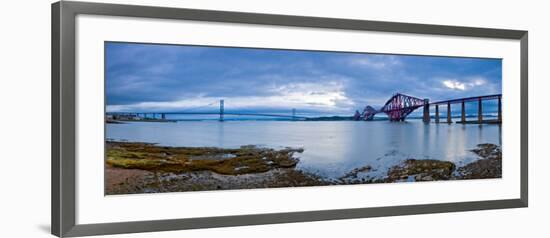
368 113
399 106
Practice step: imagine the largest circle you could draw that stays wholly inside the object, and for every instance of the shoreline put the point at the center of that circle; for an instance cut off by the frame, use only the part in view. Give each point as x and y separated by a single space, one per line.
123 121
135 167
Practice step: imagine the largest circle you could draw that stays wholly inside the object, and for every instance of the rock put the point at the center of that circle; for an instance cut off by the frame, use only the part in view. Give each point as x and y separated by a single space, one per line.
354 173
427 178
490 166
245 160
487 151
422 170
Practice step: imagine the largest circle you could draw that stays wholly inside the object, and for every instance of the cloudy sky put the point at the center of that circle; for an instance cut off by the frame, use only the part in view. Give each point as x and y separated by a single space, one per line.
163 78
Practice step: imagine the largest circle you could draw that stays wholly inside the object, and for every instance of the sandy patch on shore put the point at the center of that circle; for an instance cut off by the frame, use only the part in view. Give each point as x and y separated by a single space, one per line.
120 181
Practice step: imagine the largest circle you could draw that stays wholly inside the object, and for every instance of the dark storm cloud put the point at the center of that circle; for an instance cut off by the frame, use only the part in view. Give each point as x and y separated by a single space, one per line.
167 77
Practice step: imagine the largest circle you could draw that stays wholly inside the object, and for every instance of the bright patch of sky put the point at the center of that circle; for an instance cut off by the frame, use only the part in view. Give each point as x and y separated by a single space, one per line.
167 78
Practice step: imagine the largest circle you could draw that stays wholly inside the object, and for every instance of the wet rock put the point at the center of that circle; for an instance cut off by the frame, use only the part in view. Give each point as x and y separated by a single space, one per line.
490 166
245 160
427 178
421 170
488 151
355 172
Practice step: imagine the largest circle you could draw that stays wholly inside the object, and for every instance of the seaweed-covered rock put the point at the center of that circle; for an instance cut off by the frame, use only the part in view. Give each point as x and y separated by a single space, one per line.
356 171
490 166
244 160
488 151
421 170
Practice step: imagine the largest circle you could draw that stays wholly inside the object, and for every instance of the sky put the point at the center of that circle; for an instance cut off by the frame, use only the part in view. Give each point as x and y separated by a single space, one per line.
173 78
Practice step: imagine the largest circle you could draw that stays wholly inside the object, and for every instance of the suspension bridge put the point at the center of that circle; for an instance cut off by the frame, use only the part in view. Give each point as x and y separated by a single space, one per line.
397 108
221 113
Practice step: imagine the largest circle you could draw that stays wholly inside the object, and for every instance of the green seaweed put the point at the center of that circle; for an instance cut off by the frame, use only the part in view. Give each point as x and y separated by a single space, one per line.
247 159
425 169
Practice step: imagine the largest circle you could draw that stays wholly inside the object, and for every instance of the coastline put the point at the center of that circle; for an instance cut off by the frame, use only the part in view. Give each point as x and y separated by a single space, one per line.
135 167
122 121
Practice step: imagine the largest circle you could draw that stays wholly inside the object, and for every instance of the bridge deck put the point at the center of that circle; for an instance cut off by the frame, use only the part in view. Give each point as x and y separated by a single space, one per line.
468 99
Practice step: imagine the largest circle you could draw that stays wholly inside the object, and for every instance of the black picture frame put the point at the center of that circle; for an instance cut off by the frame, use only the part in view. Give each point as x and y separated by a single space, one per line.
63 117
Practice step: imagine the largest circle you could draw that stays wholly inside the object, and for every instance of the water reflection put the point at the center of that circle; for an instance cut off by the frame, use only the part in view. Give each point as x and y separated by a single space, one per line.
331 148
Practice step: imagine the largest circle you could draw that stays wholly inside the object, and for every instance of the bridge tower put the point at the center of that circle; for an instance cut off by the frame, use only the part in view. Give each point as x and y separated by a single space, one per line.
221 110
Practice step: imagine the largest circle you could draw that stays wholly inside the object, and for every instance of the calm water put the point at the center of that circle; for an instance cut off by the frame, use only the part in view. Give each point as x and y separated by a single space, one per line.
330 148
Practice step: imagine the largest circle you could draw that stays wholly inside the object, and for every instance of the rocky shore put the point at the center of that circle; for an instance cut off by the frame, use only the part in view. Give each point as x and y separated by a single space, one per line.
488 167
148 168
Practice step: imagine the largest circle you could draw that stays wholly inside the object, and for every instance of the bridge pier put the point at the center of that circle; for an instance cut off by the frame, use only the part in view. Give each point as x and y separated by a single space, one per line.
463 112
449 113
426 116
499 110
436 113
163 116
294 114
479 111
221 110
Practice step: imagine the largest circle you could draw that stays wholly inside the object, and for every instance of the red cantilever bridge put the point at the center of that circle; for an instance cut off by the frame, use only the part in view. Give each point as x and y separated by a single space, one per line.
399 106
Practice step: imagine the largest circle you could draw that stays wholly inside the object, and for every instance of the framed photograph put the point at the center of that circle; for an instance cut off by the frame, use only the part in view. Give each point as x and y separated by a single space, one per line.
167 119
